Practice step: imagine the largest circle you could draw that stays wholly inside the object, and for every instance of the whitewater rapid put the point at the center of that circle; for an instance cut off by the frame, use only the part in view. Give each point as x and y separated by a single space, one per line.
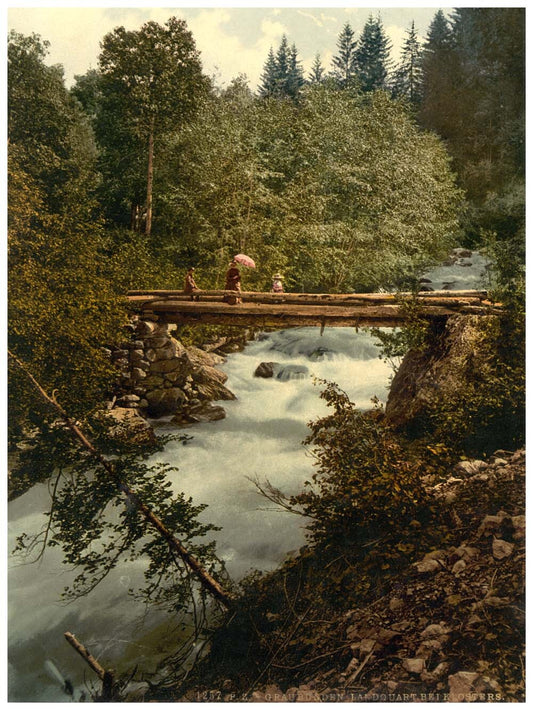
260 438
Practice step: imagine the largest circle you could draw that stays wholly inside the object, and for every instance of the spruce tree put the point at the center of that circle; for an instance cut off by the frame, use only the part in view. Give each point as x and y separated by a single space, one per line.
474 98
282 74
439 34
269 76
407 78
344 62
283 63
295 78
440 79
316 75
372 56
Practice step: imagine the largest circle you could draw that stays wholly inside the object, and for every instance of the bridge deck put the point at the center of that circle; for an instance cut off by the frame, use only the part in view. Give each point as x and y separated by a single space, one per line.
267 310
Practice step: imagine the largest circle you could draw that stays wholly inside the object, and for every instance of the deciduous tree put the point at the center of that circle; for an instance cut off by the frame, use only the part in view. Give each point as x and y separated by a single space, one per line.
151 80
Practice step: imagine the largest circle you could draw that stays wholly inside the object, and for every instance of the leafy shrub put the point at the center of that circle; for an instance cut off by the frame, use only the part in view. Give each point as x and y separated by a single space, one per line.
366 502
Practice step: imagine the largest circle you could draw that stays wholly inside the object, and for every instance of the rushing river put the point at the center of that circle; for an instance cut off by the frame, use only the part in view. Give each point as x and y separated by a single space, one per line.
259 438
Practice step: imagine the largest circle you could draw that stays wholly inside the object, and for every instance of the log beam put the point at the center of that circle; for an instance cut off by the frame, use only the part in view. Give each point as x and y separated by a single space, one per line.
290 314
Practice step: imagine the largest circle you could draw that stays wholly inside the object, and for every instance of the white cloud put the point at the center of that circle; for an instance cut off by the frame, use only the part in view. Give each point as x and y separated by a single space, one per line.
225 55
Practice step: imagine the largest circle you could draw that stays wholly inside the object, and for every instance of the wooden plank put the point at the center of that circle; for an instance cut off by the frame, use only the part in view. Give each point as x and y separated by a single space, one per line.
287 315
449 301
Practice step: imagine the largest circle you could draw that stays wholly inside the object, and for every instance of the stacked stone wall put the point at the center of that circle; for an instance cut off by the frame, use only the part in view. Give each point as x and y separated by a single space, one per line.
160 377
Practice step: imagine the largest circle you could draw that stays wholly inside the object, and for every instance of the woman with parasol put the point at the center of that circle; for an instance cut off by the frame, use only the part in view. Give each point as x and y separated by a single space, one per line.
233 276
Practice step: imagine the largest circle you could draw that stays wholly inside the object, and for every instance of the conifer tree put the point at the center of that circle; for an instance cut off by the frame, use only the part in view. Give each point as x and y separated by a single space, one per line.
407 79
283 62
440 74
282 74
372 56
269 76
474 98
344 61
439 34
295 78
317 72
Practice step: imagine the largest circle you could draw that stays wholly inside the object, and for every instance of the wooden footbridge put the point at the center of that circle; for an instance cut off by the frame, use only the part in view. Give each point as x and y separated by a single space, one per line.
285 310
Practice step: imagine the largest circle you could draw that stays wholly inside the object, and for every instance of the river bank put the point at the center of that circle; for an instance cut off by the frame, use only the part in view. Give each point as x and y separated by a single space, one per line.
450 627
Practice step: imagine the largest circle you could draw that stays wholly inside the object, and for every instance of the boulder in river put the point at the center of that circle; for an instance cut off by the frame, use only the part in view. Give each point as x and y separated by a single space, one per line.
266 369
281 372
319 353
204 412
130 426
165 401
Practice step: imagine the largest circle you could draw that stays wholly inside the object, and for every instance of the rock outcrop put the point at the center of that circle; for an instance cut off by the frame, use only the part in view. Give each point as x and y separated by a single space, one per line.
451 358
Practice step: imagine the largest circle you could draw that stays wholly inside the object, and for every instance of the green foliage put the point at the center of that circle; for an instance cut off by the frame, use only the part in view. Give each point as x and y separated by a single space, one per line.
413 335
149 84
366 502
98 528
45 123
482 406
486 411
62 306
474 94
315 190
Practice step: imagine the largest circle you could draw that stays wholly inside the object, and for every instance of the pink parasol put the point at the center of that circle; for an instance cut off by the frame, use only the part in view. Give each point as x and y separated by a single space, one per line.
244 260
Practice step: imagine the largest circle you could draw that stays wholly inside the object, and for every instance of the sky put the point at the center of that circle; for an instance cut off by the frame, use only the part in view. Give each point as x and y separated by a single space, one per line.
231 40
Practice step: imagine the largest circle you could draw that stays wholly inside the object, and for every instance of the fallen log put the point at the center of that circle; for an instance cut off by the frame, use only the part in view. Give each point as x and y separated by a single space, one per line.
105 676
84 653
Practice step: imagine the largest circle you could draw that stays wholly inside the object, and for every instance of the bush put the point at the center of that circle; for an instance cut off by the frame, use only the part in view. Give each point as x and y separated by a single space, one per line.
366 502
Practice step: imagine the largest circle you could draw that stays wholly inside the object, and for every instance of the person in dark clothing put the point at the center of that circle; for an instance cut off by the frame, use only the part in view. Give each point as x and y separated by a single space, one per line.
189 285
233 283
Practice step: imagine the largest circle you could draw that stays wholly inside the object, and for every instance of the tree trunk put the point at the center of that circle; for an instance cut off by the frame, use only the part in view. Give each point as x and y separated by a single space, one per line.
150 180
208 582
